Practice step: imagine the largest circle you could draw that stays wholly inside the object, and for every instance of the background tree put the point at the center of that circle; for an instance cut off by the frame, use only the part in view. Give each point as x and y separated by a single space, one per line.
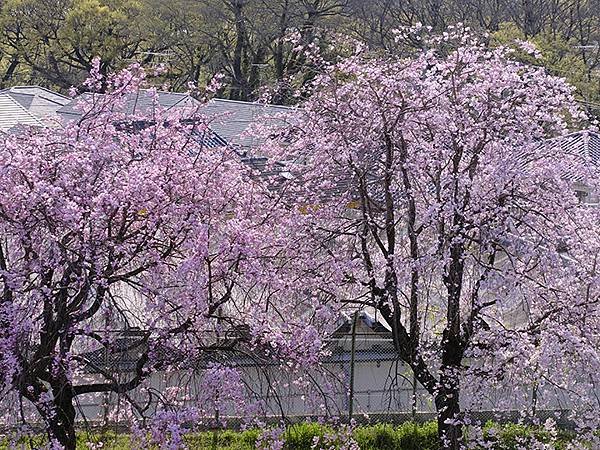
58 40
52 42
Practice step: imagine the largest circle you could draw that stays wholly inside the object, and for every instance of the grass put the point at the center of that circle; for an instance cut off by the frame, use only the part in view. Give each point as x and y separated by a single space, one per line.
407 436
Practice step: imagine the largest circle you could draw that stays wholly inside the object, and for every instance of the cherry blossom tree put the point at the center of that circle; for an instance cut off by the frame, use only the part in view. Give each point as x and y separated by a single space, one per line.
118 221
466 231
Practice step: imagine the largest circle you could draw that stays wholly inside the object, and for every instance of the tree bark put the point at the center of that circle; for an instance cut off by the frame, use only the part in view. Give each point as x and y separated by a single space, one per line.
14 63
239 84
60 419
447 404
448 411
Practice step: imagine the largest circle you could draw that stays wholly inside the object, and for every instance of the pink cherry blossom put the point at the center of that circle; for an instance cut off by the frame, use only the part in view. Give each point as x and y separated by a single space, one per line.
122 222
468 238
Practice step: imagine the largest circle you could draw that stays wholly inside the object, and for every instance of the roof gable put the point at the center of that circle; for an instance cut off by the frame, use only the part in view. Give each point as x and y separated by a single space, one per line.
12 114
39 101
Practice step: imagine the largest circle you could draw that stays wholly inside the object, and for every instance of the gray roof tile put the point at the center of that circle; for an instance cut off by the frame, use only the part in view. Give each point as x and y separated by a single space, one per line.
584 144
12 114
230 118
137 102
41 102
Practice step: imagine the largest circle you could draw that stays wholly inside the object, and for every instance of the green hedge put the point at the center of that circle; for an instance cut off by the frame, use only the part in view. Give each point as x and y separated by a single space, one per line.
514 436
408 436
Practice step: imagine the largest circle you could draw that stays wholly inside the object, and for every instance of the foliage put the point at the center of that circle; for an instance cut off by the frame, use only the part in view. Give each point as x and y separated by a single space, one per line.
515 436
52 42
557 54
58 40
417 188
301 435
407 436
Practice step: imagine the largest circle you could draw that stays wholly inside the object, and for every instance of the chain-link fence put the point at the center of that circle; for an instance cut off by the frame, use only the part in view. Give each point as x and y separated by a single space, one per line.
361 379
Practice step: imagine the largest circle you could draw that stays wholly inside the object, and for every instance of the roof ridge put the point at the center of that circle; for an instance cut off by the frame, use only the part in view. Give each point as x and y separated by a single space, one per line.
36 86
269 105
593 132
573 133
185 94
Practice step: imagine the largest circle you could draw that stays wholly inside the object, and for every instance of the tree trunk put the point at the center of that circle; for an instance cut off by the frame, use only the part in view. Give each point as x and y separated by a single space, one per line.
447 404
14 62
60 419
238 88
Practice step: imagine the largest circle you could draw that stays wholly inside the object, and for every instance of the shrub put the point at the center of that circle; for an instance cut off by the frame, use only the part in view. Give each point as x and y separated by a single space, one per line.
407 436
516 436
300 436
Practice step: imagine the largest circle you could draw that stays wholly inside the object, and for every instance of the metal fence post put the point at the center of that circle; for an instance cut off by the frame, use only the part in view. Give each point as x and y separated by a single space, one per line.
352 355
414 397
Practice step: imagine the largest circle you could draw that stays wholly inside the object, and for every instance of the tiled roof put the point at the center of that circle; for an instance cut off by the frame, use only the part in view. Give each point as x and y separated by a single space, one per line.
273 174
207 138
12 114
122 355
230 118
137 102
233 118
40 102
368 321
584 144
210 139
